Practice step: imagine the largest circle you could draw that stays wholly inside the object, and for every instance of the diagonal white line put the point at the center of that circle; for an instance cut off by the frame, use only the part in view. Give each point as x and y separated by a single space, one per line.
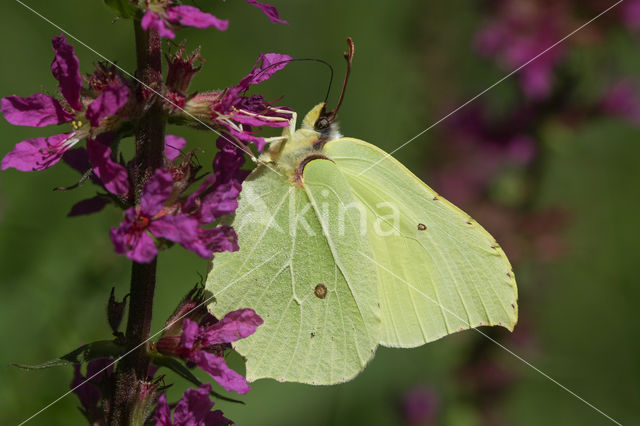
562 40
255 160
140 344
495 341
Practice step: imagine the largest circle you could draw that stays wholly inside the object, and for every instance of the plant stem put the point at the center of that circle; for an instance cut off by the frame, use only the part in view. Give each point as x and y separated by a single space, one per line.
132 369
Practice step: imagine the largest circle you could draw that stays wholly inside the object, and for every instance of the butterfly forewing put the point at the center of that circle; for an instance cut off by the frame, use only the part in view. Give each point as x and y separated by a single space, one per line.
438 271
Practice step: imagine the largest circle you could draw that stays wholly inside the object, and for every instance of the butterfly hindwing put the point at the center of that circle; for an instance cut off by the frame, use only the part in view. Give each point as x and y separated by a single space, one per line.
303 275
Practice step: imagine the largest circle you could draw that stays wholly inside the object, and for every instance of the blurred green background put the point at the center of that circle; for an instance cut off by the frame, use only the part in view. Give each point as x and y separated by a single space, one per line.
414 62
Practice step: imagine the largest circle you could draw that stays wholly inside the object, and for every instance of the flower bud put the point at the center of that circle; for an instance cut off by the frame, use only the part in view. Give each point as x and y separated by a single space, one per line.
182 68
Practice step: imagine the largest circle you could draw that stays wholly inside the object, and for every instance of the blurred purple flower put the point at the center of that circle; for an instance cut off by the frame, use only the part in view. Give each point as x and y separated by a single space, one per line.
621 100
41 110
193 409
420 407
203 344
519 33
631 14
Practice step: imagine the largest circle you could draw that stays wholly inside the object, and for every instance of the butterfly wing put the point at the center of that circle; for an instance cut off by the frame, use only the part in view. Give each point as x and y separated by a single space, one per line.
439 271
302 273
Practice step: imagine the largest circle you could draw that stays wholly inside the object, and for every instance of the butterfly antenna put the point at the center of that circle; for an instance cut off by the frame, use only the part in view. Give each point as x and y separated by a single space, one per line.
303 60
331 115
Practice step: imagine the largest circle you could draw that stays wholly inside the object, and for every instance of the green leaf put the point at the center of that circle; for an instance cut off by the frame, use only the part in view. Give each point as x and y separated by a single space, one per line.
84 354
123 8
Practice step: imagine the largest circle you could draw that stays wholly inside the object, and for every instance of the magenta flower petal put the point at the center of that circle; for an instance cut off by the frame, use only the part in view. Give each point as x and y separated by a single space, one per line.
162 415
221 373
87 392
180 228
270 11
152 20
108 103
156 191
88 388
264 68
193 407
66 69
219 239
37 154
173 145
190 332
246 136
228 161
190 16
88 206
262 120
132 242
223 200
77 159
234 326
113 176
37 110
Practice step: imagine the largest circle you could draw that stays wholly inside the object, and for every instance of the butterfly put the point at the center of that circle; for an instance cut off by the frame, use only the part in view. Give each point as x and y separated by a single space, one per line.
343 249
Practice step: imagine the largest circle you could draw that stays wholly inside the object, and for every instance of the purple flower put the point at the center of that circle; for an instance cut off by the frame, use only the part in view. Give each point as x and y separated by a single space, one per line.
182 69
517 35
133 237
204 343
621 100
161 15
218 194
630 10
420 407
92 390
41 110
193 409
236 113
112 175
173 145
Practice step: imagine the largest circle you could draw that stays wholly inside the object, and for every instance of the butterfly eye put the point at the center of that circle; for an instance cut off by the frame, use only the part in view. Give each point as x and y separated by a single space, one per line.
321 124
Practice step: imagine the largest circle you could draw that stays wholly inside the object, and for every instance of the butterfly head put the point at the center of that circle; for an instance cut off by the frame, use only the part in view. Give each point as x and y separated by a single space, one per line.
321 121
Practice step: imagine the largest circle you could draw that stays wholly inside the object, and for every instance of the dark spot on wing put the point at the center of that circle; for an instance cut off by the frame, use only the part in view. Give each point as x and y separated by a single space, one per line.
320 291
313 335
422 227
435 198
